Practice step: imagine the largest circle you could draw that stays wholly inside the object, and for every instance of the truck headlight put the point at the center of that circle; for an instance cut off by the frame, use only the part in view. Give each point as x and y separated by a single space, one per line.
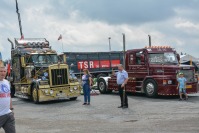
169 82
51 92
75 88
46 91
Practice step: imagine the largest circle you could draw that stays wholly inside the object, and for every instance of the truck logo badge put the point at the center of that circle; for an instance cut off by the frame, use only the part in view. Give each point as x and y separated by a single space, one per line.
59 76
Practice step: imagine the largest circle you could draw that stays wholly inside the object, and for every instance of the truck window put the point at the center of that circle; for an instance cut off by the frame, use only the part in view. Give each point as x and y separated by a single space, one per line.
29 59
44 59
163 58
138 58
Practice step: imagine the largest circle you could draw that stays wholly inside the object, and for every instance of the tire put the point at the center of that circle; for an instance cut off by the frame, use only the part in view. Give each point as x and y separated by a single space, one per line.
150 88
73 98
101 75
102 86
35 97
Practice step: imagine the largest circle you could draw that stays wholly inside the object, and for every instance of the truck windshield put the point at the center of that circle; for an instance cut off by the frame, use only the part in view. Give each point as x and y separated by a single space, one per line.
163 58
44 59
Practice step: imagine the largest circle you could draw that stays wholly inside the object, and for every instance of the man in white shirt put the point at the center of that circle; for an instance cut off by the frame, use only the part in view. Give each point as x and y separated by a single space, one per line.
122 79
7 120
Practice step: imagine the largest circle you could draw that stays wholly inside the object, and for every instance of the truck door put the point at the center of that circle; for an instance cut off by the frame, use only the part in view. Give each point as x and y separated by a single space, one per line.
139 68
16 71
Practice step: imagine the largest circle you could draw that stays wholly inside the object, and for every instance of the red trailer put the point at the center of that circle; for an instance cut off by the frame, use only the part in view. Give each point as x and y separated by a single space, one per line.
98 63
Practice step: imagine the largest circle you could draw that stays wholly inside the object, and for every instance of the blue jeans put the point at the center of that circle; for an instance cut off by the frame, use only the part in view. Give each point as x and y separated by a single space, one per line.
86 90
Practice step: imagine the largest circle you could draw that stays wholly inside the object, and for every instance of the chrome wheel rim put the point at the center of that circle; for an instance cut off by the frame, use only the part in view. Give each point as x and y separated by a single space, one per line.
150 88
101 86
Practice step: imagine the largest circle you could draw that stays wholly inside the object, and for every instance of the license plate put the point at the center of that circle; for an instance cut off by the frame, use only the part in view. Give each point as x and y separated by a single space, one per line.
188 86
61 94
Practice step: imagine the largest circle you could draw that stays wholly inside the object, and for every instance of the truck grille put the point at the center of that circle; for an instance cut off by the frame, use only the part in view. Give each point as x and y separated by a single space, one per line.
59 76
189 75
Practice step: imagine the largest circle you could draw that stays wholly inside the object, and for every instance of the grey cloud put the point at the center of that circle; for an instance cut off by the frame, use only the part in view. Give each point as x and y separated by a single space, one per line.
123 11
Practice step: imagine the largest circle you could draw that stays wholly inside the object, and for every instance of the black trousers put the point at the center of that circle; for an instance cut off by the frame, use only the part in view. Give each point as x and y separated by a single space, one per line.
125 102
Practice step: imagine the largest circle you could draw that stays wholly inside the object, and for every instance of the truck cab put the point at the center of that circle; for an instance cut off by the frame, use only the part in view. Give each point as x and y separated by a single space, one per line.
153 71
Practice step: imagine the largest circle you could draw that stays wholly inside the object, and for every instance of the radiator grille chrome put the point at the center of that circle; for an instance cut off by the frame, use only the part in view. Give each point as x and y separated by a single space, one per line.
59 76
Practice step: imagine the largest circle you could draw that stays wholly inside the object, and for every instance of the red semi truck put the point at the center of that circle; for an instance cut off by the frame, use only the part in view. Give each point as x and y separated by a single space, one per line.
153 71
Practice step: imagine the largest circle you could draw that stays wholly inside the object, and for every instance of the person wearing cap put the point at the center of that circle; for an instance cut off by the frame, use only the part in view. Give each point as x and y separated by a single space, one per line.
182 86
7 120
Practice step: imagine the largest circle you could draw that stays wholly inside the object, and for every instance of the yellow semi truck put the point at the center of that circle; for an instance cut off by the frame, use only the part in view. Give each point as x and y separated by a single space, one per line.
39 74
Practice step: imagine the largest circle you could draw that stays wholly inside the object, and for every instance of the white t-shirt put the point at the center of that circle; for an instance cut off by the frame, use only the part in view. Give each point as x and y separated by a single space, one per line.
4 97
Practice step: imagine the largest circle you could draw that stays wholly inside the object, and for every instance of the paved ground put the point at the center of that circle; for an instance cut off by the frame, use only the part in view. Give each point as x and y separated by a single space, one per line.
145 115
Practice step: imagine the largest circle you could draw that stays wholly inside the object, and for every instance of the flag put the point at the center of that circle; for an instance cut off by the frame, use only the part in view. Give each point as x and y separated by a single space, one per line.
8 68
60 37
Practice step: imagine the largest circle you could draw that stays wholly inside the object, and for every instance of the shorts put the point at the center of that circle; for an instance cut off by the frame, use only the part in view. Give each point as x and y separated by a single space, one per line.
7 122
182 90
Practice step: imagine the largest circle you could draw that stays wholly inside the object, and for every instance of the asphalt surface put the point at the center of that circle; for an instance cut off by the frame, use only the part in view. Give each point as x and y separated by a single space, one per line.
144 115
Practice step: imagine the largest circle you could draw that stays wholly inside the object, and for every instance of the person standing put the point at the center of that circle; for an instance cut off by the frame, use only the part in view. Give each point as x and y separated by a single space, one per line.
122 79
182 86
7 120
86 84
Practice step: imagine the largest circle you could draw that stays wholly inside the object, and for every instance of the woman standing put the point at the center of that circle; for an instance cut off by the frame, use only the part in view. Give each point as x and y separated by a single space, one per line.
86 84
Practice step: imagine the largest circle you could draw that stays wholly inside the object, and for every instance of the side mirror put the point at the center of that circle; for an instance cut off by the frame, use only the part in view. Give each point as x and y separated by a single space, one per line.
142 58
23 63
178 58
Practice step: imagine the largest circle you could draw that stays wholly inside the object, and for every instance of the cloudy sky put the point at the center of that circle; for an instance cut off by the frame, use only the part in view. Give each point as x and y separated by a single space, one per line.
86 24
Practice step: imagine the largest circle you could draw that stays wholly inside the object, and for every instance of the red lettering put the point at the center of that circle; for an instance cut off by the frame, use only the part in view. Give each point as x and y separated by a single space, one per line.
97 64
91 65
86 64
80 65
3 95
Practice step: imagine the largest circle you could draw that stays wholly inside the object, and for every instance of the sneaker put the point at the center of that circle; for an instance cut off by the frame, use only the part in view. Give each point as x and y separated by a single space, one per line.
180 99
88 103
84 104
120 106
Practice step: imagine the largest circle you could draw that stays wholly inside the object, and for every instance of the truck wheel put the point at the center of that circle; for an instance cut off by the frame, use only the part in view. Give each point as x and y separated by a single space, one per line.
150 88
35 97
73 98
101 75
102 86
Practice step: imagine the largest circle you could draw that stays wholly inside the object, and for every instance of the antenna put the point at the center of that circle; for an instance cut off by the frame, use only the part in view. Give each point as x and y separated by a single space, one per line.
19 19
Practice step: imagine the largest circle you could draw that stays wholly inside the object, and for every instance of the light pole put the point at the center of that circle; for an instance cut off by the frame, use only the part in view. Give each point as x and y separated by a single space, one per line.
109 40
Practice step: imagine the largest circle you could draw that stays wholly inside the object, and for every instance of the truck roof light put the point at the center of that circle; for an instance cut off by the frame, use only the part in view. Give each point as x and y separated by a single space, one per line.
32 42
157 47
